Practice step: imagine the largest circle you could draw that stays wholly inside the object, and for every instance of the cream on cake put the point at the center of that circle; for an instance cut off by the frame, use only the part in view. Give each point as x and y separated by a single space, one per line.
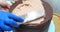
28 6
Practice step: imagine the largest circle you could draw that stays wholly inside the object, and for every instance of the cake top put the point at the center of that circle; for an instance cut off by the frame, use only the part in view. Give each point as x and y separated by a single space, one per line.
28 6
23 7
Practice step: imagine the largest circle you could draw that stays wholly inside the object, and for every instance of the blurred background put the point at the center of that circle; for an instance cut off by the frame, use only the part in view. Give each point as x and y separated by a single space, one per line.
56 9
55 5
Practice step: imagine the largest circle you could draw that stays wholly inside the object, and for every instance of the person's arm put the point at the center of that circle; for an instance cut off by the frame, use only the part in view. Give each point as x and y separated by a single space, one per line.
4 5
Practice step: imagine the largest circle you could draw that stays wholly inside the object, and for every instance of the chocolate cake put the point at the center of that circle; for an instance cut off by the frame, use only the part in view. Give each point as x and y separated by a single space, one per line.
22 7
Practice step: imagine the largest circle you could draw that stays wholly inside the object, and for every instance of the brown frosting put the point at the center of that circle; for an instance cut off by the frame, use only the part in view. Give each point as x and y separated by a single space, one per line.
43 25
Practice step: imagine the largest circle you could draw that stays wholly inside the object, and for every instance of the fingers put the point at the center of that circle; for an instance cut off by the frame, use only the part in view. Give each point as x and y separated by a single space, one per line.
5 27
11 22
0 30
16 17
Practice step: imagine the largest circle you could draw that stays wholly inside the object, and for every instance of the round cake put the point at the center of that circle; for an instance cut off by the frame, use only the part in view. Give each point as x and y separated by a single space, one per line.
30 7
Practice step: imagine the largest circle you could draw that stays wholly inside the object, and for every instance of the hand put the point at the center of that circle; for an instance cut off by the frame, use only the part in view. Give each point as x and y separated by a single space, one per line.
7 21
4 5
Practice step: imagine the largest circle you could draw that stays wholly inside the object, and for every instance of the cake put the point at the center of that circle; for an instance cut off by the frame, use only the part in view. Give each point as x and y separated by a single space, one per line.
23 7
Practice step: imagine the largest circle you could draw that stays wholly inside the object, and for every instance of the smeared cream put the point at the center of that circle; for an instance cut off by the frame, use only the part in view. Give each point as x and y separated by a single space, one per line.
30 10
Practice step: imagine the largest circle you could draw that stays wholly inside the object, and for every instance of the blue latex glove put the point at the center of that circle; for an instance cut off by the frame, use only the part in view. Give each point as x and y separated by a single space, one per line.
7 21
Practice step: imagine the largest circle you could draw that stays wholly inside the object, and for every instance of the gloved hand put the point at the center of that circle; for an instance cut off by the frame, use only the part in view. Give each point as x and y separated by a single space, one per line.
7 21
